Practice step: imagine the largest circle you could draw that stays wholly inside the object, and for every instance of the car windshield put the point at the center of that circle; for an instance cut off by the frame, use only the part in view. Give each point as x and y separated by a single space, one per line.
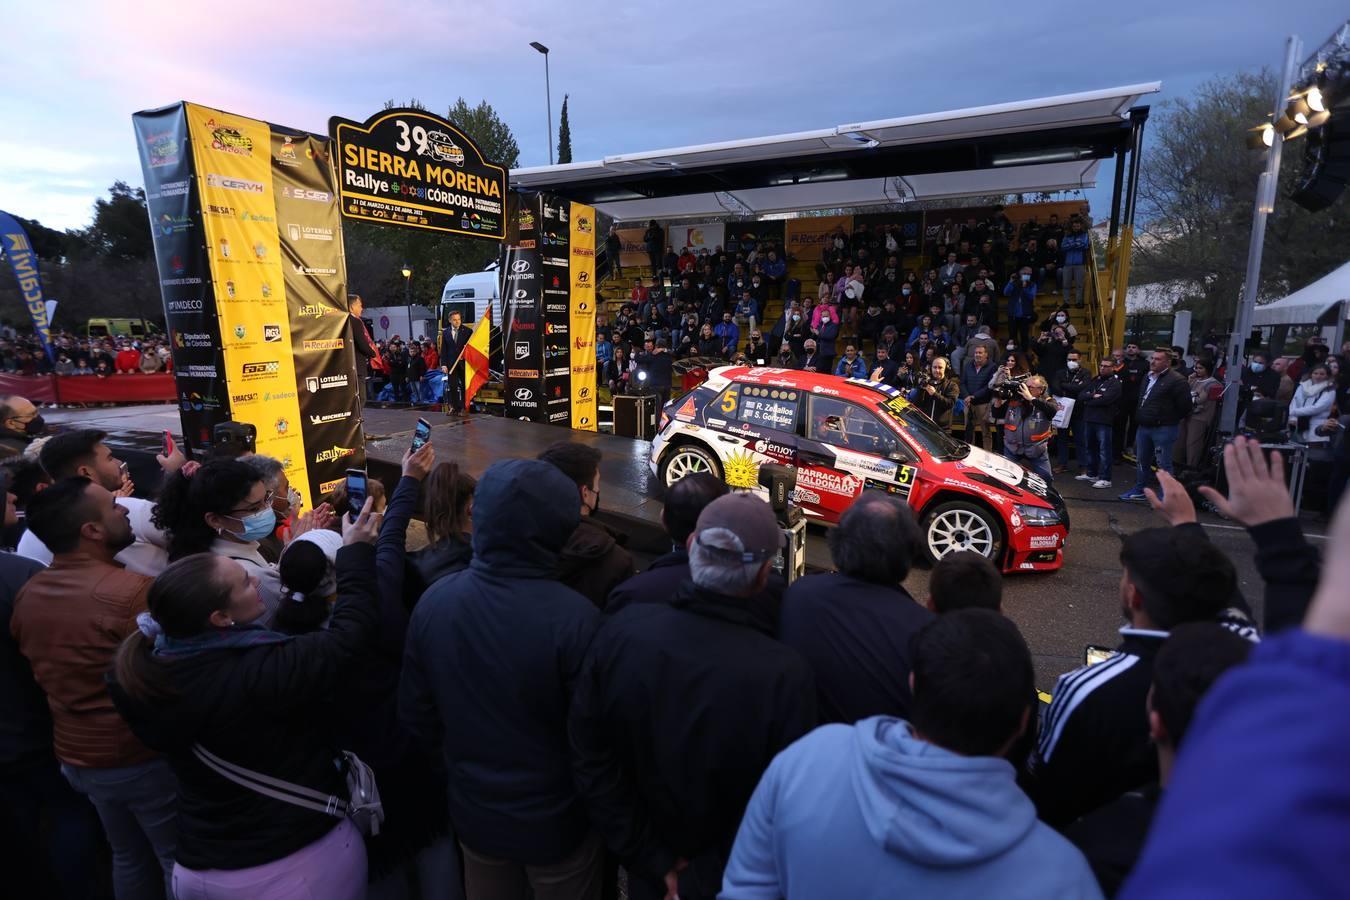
924 430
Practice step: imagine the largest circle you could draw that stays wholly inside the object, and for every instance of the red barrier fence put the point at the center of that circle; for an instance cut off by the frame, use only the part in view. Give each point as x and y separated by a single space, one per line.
139 388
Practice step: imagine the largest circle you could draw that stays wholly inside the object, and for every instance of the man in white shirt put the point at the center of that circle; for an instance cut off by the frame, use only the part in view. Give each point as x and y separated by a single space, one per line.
82 453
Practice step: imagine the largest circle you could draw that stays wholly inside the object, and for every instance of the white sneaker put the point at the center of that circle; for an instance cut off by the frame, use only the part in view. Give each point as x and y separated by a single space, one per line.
1101 483
1083 477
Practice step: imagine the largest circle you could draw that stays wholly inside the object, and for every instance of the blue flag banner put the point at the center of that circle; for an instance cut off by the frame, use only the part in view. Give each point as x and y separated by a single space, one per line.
14 242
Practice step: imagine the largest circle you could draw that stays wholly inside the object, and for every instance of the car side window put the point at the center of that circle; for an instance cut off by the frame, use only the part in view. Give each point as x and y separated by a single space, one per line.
847 425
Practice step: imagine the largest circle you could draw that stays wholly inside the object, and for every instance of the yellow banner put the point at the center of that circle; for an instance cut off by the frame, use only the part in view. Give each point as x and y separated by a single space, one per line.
234 179
581 309
806 236
634 250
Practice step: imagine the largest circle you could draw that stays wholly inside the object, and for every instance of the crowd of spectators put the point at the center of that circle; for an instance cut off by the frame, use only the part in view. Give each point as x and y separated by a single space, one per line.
23 354
242 699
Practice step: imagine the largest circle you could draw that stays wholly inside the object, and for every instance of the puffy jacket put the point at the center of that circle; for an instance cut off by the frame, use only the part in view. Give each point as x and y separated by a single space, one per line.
492 655
593 563
975 381
870 811
261 707
1315 406
1167 403
857 368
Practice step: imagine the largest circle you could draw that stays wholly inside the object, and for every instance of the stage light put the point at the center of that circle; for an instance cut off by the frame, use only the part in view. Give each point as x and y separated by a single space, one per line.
1298 110
1261 137
1298 132
1284 124
1315 100
1318 119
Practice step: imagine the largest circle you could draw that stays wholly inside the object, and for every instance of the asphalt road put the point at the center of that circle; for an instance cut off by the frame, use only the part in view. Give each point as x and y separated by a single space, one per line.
1059 613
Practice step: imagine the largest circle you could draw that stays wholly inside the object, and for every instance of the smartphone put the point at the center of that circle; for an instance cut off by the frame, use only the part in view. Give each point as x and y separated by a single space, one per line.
356 492
421 434
1095 653
168 443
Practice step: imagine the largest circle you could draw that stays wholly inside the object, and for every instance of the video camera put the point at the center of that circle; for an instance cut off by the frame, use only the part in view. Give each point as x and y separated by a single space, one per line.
1010 389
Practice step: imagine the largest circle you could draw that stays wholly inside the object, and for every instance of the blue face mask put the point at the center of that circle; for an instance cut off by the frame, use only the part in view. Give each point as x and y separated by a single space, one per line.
258 525
1258 368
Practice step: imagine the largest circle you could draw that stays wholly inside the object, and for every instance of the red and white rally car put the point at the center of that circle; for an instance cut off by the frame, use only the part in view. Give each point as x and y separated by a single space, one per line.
847 436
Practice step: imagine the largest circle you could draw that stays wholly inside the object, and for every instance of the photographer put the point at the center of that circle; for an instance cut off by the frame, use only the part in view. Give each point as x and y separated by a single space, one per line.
937 394
1021 293
1052 351
655 362
1027 410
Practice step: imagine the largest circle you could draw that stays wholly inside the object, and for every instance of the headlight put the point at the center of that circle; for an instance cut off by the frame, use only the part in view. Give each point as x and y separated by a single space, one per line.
1037 515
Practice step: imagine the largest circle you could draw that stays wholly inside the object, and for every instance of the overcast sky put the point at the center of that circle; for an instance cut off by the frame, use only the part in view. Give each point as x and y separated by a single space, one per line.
642 75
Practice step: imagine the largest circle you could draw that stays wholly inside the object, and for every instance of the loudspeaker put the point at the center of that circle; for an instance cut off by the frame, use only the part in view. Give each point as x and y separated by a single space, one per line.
635 416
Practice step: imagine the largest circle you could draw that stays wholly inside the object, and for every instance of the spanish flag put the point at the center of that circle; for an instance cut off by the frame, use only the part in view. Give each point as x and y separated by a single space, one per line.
475 356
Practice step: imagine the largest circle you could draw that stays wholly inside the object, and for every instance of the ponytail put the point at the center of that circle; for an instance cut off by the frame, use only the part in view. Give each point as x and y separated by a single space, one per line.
139 673
194 491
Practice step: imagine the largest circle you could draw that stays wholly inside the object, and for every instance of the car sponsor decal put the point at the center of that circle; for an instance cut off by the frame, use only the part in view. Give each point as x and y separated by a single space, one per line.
687 410
838 483
780 452
1044 541
740 470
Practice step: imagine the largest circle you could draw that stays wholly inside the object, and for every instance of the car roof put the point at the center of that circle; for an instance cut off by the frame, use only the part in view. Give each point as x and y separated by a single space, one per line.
859 389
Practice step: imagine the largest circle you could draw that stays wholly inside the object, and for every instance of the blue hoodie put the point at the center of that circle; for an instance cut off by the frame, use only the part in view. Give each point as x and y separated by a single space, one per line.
869 810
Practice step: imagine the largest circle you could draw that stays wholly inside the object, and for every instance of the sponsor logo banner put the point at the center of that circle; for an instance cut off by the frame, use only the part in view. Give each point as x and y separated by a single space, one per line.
696 237
581 318
808 234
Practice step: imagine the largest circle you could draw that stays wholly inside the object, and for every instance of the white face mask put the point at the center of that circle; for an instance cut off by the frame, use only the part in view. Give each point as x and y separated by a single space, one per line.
1061 319
1072 365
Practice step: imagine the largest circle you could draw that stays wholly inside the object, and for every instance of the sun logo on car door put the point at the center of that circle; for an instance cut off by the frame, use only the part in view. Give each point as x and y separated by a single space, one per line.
741 470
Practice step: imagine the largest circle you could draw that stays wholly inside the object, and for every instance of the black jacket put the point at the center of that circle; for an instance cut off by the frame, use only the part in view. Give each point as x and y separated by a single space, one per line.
593 563
1069 383
667 573
1290 567
25 722
453 345
938 406
681 709
361 338
1167 403
492 654
260 707
1094 743
1100 398
659 368
442 558
855 636
1113 837
1050 356
1131 373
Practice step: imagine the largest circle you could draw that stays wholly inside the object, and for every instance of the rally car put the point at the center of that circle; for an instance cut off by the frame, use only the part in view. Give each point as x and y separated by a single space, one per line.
845 436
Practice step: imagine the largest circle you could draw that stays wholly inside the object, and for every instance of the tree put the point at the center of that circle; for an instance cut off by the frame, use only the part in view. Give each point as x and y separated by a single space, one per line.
121 229
564 136
1196 192
376 254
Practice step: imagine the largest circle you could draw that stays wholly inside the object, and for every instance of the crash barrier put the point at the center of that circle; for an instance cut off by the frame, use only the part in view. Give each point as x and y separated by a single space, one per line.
134 388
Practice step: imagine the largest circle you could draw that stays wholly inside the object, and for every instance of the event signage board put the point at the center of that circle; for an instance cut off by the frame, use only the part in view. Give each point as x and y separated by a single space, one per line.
248 242
807 235
522 334
410 168
556 269
581 318
174 205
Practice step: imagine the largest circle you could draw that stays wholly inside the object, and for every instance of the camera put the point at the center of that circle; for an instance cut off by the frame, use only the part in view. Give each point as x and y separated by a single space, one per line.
1010 389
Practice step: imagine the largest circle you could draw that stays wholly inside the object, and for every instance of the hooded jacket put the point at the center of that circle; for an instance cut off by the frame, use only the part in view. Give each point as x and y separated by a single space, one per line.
592 563
491 656
871 811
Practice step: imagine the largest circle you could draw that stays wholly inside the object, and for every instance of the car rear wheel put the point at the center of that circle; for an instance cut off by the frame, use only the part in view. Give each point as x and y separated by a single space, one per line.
688 459
957 526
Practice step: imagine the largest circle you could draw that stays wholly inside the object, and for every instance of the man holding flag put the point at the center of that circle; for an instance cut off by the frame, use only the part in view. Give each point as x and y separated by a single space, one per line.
468 370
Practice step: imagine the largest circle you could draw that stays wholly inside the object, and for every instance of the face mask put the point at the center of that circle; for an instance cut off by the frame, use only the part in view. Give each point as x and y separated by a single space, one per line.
1258 368
796 318
1026 278
905 291
258 525
825 319
35 426
1072 365
1061 319
1011 347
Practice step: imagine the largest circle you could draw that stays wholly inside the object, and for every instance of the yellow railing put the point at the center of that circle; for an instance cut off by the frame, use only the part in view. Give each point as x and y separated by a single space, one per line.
1097 314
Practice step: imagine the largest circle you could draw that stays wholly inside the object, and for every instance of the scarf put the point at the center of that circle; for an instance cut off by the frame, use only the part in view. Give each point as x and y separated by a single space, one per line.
231 638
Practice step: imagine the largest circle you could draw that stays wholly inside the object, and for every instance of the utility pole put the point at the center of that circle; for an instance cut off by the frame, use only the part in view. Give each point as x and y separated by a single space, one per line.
1265 204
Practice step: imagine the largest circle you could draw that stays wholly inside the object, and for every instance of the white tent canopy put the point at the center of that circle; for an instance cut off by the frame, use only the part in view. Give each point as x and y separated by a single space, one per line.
1053 169
1309 305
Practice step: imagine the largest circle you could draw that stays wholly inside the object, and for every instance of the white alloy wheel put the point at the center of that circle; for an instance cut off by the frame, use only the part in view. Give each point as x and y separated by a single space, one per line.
957 527
688 459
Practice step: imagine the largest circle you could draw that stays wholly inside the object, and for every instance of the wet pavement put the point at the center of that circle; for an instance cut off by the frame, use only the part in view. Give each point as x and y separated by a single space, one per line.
1058 613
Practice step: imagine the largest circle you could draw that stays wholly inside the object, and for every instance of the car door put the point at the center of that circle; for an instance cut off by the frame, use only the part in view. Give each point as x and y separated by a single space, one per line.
846 449
759 427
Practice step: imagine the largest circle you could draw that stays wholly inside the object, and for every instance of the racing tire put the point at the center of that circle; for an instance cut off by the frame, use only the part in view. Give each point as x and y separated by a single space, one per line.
957 525
687 459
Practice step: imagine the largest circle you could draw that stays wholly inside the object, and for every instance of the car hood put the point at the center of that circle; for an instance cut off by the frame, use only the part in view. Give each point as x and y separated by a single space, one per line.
1005 471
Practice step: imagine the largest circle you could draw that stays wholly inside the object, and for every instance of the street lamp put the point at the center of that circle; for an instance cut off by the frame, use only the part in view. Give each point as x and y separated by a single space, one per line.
407 296
548 97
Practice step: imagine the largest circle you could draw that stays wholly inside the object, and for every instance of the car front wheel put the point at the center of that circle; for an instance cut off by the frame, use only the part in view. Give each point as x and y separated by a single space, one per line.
957 526
688 459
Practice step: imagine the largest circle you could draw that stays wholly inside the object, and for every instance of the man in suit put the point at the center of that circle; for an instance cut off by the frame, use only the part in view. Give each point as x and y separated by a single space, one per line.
454 339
